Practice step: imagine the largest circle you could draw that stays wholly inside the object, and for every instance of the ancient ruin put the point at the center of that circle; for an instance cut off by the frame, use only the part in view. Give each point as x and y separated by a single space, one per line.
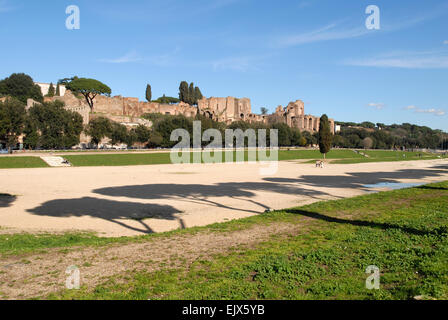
128 111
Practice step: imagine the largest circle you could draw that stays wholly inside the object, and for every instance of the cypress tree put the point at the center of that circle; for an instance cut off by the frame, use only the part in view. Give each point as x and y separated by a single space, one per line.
197 95
51 91
183 91
58 90
148 93
191 97
325 135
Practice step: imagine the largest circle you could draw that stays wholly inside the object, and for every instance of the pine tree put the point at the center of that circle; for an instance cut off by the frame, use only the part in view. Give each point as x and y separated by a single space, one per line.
51 91
183 91
58 91
148 93
325 135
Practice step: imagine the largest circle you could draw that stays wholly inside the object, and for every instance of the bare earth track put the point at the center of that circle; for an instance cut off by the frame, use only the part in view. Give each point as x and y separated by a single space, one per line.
135 200
116 201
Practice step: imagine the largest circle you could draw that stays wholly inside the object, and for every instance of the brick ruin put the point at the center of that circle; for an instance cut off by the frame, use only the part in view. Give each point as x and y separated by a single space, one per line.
128 111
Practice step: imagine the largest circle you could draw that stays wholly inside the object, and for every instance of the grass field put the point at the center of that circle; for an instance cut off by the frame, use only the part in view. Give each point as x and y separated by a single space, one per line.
337 156
21 162
383 155
403 232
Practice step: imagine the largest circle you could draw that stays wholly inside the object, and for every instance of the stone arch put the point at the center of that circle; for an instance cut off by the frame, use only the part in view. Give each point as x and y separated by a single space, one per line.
208 114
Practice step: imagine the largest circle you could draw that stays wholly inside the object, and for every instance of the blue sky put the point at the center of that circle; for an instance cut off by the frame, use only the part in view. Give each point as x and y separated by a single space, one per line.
272 52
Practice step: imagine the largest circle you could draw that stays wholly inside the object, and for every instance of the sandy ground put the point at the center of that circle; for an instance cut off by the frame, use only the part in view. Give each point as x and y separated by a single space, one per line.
124 201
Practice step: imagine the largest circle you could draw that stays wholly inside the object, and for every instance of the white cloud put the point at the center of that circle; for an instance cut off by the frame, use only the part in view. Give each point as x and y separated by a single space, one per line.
326 33
335 31
436 112
445 42
377 105
405 60
131 56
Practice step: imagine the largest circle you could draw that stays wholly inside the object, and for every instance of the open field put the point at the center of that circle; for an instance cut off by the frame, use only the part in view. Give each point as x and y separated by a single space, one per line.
138 157
21 162
317 251
135 200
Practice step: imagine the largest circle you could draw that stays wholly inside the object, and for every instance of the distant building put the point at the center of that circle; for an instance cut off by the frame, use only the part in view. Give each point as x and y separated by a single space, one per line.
44 87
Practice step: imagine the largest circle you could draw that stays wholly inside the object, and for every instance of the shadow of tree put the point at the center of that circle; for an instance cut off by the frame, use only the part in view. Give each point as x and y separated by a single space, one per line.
358 180
6 200
370 224
200 193
109 210
432 188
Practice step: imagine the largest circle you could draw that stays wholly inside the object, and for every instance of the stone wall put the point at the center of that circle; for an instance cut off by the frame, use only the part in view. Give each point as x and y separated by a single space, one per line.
129 110
226 110
294 116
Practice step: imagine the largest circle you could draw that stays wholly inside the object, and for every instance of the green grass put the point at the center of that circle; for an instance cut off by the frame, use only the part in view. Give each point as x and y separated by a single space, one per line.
21 162
22 243
119 159
347 156
403 232
385 156
113 158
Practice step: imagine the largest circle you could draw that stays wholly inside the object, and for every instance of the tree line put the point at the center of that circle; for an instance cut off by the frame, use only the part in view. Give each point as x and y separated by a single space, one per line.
188 93
46 125
396 136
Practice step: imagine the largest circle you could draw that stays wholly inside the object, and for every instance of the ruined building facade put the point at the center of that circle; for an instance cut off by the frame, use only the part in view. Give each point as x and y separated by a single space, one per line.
232 109
129 110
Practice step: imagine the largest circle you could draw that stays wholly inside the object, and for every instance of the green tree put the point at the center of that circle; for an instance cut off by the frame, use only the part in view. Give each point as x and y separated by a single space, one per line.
325 136
367 143
167 100
22 87
98 129
58 90
183 91
155 140
148 93
284 134
166 125
118 134
51 91
295 137
89 88
197 95
142 134
191 94
264 110
50 126
12 121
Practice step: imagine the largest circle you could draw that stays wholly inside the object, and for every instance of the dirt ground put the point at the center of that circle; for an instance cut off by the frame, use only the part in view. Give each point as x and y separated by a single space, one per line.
37 275
109 200
132 200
